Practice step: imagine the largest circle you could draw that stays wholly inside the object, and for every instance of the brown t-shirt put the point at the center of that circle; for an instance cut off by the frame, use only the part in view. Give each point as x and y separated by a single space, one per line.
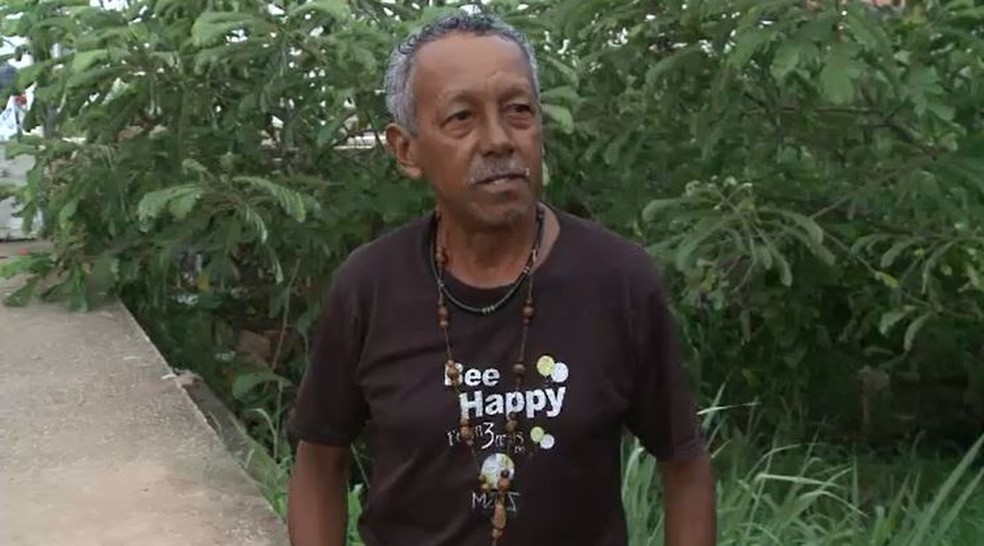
601 353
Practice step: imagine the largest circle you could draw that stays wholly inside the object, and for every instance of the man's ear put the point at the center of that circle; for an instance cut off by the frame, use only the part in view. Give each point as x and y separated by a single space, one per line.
404 149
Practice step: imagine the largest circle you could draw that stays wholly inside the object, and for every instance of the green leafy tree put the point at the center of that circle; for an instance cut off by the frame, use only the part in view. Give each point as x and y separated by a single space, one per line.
808 173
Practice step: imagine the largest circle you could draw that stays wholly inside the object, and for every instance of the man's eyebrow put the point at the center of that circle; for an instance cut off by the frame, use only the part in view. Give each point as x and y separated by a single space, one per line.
452 96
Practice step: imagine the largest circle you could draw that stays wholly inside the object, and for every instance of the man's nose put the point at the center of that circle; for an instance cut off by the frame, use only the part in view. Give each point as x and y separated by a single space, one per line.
497 138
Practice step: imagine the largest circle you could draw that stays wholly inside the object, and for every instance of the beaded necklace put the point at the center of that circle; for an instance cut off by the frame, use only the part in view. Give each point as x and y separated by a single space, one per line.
439 254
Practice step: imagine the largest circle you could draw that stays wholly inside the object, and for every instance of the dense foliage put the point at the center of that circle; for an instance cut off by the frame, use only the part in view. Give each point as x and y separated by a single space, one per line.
810 174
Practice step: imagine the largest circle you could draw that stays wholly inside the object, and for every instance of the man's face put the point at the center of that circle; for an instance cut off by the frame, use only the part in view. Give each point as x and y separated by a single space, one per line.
478 137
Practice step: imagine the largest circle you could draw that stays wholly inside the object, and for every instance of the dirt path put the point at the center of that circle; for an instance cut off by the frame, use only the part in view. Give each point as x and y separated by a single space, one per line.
96 449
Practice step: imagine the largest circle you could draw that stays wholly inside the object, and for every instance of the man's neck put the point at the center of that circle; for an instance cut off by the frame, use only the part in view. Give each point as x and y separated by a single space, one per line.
488 258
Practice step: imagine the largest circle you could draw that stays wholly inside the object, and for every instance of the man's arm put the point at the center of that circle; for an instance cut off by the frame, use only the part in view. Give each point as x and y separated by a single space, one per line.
317 507
688 490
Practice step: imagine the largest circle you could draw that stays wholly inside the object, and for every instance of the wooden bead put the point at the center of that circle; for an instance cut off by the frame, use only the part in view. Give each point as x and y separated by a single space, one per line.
511 426
442 312
519 369
467 434
528 312
443 323
485 487
499 516
496 534
452 371
504 484
464 422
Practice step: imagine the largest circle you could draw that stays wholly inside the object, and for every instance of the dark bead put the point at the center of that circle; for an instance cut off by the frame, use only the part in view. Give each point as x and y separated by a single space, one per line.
519 369
504 474
511 426
452 371
504 484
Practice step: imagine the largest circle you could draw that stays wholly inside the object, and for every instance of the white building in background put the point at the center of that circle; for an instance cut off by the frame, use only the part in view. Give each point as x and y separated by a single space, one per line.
13 171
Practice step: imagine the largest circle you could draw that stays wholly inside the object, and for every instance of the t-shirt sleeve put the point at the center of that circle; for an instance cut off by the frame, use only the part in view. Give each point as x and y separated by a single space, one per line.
330 408
662 412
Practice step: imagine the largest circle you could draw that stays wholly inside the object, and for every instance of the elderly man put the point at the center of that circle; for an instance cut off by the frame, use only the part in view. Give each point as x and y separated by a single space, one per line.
493 350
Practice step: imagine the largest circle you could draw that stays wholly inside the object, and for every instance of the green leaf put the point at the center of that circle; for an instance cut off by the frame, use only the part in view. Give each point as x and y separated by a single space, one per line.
895 250
193 166
569 73
251 217
183 204
656 206
886 279
244 383
891 318
67 212
763 254
785 272
931 263
29 75
212 27
808 225
786 59
85 59
705 229
747 44
560 115
973 277
289 200
337 9
15 148
838 74
922 87
152 204
564 92
615 148
913 330
670 63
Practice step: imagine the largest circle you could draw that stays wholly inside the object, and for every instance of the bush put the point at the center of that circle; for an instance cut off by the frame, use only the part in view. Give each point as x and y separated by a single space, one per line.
808 173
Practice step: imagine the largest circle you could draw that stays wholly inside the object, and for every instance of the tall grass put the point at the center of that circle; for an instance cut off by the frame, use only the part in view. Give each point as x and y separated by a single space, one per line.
814 495
785 494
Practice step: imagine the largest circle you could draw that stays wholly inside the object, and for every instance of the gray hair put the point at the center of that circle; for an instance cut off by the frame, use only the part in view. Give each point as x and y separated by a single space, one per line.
399 88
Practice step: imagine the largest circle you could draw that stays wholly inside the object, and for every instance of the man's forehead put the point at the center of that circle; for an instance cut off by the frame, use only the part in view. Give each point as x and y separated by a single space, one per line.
459 57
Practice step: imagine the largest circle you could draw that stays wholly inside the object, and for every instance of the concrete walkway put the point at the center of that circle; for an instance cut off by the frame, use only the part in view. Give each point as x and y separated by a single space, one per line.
96 449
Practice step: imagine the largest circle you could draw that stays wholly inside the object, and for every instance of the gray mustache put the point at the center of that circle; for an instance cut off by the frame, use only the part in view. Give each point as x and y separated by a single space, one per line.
490 172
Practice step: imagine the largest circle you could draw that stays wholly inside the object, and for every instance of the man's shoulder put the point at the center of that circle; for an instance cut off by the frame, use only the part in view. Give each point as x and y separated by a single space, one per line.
608 252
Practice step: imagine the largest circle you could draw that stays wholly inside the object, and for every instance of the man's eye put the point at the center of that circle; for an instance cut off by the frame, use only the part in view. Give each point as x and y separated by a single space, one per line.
460 116
521 108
